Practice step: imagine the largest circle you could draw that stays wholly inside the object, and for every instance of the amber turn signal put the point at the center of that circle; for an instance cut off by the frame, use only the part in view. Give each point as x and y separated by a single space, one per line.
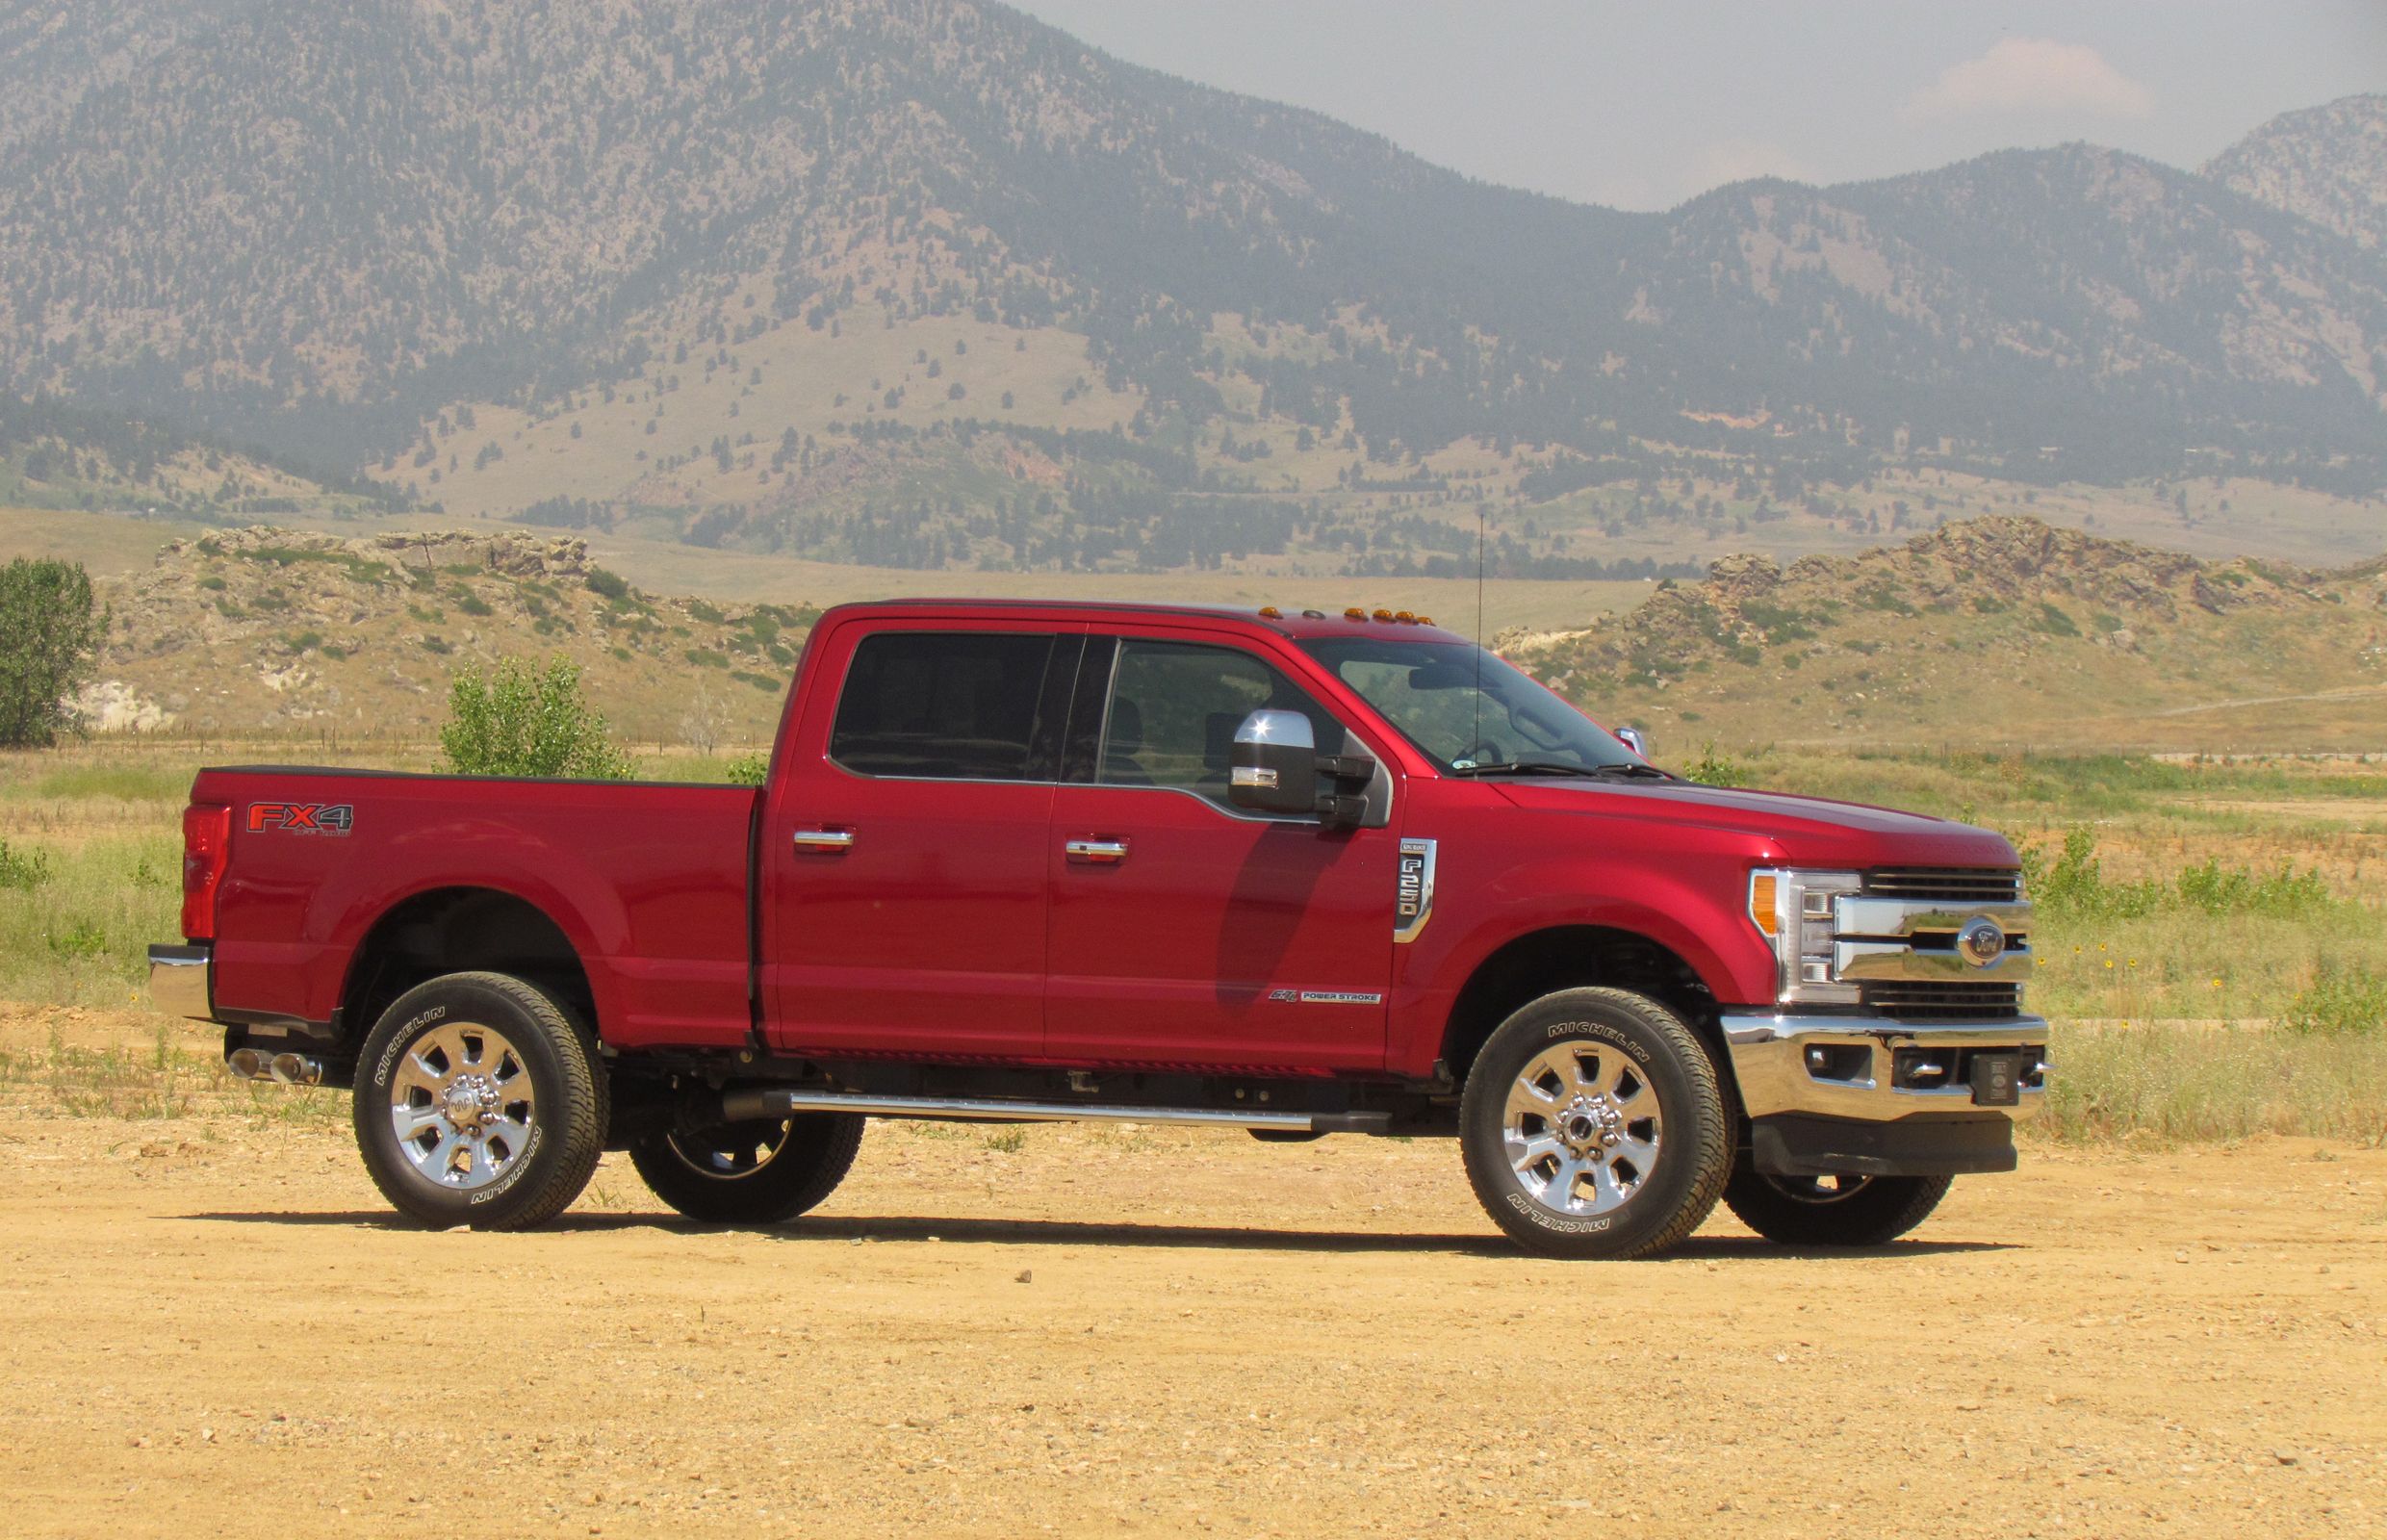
1763 894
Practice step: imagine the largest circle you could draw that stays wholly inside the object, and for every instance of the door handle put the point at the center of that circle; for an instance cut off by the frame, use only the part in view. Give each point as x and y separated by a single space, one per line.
824 841
1096 851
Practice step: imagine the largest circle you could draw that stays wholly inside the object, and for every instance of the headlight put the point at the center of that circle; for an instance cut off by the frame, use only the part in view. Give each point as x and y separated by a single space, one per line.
1794 911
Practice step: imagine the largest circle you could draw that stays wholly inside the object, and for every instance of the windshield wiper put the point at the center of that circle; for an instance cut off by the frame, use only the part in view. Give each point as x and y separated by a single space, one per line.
1635 767
1552 767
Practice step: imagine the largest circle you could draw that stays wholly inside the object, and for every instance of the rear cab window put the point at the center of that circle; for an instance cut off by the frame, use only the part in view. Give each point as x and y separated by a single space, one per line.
955 706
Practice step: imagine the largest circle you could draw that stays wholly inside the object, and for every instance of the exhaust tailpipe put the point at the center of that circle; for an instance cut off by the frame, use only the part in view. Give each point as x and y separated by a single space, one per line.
281 1068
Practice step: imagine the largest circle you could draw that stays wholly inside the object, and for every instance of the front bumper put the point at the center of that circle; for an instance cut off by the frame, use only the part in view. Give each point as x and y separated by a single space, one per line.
1869 1069
179 981
1868 1096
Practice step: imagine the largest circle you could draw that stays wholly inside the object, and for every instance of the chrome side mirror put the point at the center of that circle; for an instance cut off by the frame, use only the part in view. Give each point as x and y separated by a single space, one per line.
1631 738
1273 765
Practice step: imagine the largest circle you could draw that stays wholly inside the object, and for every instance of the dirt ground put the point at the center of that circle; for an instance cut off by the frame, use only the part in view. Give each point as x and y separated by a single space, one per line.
209 1326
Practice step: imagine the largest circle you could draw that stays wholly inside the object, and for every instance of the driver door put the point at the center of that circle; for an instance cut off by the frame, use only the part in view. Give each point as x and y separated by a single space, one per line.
1184 931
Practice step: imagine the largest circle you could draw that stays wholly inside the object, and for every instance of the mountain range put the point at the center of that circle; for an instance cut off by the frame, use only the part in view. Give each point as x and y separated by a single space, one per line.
929 282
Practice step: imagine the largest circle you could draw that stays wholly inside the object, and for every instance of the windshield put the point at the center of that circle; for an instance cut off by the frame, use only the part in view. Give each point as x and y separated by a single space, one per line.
1466 707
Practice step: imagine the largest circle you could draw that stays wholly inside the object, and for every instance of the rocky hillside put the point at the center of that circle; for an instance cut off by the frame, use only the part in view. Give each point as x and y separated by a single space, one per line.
298 635
2327 164
713 265
1992 631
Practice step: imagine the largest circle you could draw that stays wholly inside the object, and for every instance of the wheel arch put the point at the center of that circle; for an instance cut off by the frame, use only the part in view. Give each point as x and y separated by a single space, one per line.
457 930
1566 957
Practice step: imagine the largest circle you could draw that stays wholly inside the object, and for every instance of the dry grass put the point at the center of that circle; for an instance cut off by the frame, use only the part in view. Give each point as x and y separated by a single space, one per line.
101 822
2190 1083
168 1079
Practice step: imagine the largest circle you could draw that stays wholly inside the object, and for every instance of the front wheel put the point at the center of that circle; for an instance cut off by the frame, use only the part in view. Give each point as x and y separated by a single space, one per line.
1832 1210
478 1101
1592 1126
762 1173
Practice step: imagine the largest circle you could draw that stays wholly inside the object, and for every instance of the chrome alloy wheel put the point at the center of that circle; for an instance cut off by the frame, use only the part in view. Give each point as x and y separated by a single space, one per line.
463 1105
727 1154
1581 1129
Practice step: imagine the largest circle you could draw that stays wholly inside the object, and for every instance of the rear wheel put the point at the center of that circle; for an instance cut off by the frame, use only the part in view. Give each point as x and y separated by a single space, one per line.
478 1101
1592 1126
1832 1210
761 1173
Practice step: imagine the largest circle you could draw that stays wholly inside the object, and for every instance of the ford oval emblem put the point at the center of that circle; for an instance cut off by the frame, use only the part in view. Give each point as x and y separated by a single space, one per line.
1982 941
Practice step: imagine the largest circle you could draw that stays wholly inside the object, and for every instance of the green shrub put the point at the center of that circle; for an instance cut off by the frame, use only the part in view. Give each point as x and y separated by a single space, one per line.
749 769
2072 886
2054 622
468 602
2339 1001
518 720
1714 769
606 584
26 869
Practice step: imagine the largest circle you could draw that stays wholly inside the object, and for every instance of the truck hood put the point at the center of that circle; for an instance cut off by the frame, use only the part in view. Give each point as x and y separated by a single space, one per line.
1807 831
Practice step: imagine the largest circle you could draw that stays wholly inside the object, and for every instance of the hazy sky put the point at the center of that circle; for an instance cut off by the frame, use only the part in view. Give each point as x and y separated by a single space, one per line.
1643 105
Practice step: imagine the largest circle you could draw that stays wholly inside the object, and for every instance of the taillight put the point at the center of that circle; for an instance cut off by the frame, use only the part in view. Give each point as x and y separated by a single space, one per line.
206 843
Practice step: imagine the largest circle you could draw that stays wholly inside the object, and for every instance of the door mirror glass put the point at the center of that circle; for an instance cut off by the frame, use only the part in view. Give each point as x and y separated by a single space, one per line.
1273 767
1631 738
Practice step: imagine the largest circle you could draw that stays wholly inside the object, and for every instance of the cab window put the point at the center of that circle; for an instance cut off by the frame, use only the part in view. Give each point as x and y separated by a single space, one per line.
946 705
1173 710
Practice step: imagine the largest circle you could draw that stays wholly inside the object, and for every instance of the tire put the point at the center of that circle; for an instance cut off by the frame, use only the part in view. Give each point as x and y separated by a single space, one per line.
763 1172
502 1093
1832 1210
1645 1151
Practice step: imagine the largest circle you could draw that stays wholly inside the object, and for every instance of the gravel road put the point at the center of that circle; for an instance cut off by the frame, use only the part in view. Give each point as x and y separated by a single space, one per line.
208 1326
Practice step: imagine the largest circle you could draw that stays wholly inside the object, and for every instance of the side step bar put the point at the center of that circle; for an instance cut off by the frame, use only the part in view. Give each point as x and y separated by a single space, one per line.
750 1106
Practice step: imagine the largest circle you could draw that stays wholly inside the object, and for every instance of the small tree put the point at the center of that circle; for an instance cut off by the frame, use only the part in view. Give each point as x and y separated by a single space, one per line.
707 719
49 632
521 721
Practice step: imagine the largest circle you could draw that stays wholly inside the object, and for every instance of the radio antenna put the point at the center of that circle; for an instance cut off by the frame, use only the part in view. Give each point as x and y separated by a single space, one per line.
1475 748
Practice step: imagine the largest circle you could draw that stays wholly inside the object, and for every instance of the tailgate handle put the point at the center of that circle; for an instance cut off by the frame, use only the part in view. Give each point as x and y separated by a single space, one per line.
824 841
1096 851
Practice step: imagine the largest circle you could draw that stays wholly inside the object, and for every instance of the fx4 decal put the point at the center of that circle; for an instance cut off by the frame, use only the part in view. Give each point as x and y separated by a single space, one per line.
300 818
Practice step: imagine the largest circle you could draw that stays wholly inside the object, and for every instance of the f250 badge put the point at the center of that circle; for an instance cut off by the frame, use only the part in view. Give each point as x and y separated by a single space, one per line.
1413 893
301 817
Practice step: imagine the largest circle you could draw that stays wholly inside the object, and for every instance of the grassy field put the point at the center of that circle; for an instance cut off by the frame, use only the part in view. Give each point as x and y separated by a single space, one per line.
2211 935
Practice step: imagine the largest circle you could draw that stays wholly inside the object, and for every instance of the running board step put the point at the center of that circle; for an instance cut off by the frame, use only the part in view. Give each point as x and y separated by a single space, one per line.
748 1105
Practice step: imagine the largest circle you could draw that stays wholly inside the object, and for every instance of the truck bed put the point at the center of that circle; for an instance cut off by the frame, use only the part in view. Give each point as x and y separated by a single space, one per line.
649 883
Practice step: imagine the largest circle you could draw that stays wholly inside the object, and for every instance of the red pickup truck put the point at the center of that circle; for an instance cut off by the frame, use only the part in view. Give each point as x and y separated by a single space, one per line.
1297 873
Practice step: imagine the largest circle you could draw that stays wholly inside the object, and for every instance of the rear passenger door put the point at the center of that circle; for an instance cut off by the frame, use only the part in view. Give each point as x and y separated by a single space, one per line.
1186 932
903 865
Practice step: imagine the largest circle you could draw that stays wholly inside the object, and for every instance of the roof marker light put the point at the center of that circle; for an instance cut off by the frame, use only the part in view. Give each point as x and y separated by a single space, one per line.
1384 614
1270 612
1354 613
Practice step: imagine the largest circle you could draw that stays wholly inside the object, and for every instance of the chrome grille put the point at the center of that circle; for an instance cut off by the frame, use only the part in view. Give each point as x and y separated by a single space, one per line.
1930 1000
1946 885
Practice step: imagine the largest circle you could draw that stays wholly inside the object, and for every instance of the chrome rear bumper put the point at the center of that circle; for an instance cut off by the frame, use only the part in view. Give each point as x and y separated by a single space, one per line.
178 980
1859 1067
